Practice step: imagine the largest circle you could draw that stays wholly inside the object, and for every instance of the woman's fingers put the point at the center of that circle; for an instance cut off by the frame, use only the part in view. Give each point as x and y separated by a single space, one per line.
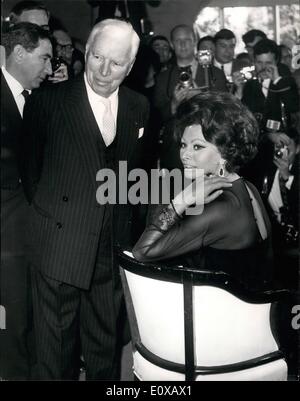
213 196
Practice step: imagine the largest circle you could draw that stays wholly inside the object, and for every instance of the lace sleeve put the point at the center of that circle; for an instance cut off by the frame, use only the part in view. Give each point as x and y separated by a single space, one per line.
164 219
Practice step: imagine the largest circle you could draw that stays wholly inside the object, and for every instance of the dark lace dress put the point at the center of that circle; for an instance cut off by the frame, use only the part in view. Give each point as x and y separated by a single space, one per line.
224 237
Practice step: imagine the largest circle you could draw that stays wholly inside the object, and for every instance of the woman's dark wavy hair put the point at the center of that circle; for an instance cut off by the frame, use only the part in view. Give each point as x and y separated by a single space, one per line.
225 122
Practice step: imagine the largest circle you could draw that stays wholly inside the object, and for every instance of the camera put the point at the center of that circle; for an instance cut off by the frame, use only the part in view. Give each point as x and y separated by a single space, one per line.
280 151
204 57
186 80
248 72
291 234
56 62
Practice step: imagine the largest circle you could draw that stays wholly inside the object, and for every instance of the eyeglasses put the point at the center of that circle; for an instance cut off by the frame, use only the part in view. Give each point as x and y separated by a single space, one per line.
64 47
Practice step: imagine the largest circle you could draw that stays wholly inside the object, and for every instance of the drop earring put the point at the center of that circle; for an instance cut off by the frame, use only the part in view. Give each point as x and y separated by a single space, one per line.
221 172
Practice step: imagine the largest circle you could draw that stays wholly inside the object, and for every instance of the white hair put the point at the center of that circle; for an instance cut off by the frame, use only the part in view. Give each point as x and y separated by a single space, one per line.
120 25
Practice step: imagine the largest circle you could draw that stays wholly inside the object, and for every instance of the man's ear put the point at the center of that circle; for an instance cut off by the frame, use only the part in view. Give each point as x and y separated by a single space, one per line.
19 53
297 149
130 67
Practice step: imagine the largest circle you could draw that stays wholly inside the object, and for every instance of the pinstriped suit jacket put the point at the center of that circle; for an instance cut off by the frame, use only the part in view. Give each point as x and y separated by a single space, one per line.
62 152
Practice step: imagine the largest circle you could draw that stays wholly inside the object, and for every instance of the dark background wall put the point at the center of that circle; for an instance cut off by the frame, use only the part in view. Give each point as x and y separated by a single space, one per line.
76 15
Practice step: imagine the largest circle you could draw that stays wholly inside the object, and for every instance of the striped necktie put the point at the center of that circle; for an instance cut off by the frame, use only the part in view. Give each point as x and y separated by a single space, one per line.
109 126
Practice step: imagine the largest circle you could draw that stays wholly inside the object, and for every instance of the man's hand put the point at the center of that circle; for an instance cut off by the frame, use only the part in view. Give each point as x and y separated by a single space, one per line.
60 75
239 81
271 72
179 94
282 163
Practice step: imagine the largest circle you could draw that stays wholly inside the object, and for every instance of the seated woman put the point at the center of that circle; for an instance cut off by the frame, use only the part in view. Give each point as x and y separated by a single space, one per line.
217 135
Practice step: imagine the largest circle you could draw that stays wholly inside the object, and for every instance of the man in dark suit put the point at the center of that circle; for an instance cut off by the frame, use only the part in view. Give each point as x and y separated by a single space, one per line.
169 90
272 98
279 186
265 94
225 42
280 189
28 54
251 38
75 130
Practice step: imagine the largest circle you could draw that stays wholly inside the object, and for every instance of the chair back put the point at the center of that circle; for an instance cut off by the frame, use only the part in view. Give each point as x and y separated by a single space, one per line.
176 312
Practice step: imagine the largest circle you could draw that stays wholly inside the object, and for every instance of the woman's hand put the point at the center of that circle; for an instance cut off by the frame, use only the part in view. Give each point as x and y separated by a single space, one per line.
201 191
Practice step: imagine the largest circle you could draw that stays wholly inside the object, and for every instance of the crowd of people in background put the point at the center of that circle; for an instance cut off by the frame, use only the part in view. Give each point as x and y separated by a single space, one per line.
42 70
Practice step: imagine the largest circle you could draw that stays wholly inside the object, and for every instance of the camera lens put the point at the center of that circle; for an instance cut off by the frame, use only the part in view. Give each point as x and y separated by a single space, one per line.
185 79
55 63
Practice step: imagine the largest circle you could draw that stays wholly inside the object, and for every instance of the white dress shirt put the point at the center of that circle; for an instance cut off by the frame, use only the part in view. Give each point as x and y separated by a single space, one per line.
275 198
265 84
16 89
98 106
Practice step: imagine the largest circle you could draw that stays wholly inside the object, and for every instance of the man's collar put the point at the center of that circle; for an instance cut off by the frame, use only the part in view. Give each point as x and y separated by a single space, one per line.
219 65
93 95
12 82
192 63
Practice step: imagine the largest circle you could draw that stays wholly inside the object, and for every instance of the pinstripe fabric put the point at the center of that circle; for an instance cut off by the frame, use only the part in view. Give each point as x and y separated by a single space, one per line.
75 285
61 159
16 341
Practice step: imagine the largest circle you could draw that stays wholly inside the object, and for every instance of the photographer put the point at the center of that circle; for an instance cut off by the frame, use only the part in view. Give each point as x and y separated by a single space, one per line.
280 190
267 89
170 89
182 79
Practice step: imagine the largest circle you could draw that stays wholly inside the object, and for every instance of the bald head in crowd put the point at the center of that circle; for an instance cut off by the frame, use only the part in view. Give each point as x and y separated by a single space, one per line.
110 54
183 40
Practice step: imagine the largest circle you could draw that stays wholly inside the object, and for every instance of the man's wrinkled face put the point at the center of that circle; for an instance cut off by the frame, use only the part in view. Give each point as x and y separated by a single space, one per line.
183 42
108 61
224 52
38 17
36 65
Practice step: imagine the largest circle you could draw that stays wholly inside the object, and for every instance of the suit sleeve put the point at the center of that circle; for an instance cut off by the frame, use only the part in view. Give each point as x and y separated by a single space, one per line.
161 98
286 90
33 142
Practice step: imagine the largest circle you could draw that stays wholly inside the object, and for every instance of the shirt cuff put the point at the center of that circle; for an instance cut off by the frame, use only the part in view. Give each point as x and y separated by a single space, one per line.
277 80
289 182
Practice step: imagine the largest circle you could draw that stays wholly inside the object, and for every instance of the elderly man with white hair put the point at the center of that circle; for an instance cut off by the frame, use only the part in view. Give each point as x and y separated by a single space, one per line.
73 131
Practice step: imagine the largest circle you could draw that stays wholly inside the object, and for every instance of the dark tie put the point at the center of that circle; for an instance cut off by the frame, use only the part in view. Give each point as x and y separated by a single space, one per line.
25 93
284 210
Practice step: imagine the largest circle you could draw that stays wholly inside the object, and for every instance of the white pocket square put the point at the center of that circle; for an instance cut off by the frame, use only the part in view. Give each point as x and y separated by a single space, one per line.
141 132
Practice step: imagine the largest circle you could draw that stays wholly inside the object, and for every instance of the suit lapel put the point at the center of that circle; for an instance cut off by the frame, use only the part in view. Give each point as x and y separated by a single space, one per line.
83 127
127 126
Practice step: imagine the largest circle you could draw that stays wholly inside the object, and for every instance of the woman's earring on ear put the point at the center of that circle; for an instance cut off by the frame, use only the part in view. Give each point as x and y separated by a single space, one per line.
221 172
